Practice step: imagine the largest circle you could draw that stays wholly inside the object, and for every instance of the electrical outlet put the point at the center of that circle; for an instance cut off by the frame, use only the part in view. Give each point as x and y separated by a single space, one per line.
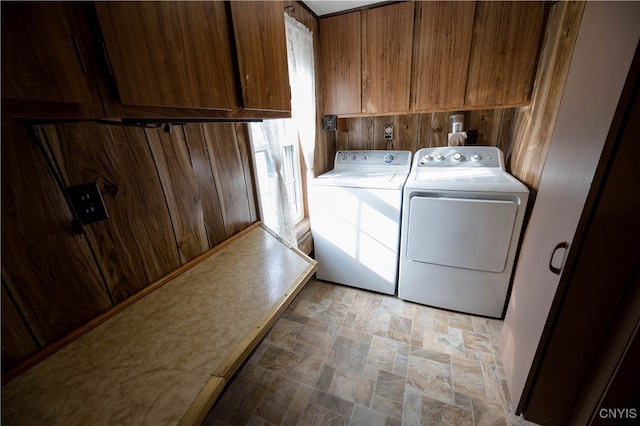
88 203
388 132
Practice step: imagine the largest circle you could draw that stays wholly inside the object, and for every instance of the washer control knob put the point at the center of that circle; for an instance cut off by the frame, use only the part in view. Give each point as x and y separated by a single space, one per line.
344 157
354 157
457 156
439 157
427 157
475 157
363 158
388 158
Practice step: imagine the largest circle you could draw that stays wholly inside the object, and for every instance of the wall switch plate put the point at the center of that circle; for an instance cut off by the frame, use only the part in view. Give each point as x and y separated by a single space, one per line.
88 203
388 132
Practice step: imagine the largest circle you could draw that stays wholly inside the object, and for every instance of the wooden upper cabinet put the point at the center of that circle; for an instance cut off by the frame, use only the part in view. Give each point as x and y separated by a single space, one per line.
504 52
144 59
366 60
170 54
446 56
45 70
340 63
261 45
387 39
441 54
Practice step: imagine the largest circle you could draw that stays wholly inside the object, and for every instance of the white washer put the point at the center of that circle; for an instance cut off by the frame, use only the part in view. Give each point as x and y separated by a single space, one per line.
355 218
461 224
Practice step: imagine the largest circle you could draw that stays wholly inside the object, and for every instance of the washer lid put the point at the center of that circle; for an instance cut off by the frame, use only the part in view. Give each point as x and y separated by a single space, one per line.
362 179
484 179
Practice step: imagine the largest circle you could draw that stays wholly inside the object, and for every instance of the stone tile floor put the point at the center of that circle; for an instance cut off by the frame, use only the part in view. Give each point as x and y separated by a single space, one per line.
344 356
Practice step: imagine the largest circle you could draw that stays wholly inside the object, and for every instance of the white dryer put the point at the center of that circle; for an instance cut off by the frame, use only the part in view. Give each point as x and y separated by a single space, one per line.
355 218
461 223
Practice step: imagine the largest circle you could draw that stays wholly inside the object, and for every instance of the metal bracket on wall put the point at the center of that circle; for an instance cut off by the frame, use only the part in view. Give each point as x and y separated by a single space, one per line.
330 123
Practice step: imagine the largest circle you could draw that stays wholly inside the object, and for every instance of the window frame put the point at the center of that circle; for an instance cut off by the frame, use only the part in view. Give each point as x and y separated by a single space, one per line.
288 133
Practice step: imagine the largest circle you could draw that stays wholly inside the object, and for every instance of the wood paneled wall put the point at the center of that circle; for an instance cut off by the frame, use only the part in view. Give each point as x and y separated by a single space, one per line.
170 197
414 131
534 124
46 270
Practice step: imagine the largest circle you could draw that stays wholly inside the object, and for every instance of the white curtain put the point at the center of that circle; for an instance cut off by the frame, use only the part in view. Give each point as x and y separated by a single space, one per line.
303 87
303 115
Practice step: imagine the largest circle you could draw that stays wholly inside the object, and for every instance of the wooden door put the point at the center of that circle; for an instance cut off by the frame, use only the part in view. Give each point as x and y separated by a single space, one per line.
441 54
261 46
340 63
170 54
387 40
45 71
504 52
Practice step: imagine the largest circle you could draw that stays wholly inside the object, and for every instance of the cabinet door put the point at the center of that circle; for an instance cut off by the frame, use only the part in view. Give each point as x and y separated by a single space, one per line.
340 63
504 51
441 54
44 67
262 54
387 39
170 54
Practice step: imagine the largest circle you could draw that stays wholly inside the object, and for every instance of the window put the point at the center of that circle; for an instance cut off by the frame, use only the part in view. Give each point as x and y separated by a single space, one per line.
279 142
266 174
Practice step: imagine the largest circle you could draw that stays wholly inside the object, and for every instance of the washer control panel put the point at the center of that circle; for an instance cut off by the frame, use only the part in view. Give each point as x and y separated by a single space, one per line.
373 158
459 156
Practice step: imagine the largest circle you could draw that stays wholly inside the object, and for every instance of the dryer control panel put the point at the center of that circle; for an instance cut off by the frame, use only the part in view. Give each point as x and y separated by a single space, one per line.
377 158
462 156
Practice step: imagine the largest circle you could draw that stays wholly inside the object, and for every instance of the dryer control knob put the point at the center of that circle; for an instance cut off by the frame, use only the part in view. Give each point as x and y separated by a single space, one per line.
439 157
427 157
475 157
388 159
457 156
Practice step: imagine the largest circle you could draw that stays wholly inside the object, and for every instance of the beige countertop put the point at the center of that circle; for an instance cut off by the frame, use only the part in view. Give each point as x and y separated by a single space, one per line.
166 358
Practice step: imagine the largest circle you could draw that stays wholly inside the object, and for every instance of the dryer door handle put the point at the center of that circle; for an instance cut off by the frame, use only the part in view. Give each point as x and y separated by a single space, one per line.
563 245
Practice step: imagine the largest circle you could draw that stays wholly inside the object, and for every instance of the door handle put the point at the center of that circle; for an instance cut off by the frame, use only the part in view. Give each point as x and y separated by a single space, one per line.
562 245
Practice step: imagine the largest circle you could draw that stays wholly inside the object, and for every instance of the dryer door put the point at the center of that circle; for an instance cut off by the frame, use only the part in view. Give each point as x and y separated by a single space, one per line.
460 232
